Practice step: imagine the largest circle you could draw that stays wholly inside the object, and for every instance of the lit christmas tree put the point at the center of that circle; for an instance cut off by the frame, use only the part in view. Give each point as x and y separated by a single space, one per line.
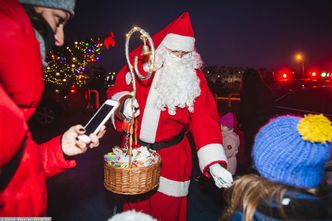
68 66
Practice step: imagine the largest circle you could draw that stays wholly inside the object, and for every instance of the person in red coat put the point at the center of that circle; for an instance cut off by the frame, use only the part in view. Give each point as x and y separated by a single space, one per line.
24 165
174 101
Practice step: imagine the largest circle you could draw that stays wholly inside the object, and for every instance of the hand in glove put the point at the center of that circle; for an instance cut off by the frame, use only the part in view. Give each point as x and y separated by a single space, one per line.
222 177
130 106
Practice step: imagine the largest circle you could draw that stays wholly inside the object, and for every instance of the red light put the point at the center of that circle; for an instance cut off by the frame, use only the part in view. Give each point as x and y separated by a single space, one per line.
284 75
314 73
73 90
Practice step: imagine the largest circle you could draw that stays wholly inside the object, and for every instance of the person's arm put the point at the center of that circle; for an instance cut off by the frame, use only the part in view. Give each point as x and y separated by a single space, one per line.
53 158
206 130
57 154
120 91
207 137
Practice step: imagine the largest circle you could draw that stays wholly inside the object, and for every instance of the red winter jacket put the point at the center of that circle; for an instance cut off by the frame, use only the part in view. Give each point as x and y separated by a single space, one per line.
21 87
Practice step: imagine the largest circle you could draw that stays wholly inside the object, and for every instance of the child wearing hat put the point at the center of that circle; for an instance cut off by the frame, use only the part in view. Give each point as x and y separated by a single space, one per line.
231 140
289 154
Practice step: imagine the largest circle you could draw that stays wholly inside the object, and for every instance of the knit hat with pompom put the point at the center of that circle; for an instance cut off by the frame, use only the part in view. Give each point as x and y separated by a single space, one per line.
293 150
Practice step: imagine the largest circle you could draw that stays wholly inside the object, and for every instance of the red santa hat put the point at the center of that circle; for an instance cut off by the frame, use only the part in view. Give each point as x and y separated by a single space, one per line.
178 35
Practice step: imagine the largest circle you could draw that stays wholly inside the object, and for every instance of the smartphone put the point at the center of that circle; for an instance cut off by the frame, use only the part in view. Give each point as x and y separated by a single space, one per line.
99 119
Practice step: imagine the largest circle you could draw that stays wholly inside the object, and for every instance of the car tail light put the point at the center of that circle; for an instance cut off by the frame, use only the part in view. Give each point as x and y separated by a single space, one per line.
314 73
284 75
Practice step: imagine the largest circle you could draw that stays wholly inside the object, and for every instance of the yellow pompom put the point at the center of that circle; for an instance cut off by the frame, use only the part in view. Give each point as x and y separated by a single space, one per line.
315 128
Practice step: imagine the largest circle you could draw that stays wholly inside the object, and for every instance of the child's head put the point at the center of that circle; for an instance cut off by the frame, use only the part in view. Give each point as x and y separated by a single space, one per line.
293 150
227 121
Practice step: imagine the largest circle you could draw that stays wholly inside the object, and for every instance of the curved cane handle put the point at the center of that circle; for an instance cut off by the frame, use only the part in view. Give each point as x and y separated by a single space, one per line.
134 69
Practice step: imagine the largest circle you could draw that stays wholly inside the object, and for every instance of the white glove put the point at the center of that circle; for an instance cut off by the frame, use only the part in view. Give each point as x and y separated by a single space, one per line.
222 177
130 106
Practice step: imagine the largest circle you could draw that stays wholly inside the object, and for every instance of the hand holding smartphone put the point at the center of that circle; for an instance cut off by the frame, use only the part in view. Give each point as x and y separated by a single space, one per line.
99 119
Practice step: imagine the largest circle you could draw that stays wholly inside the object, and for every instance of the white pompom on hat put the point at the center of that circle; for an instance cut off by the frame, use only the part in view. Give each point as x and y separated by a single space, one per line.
131 215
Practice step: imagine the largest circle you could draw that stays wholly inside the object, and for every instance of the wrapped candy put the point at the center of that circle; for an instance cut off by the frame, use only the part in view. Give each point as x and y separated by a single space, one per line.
141 157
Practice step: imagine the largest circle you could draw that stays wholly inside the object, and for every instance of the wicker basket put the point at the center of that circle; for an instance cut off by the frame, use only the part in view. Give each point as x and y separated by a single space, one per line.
131 181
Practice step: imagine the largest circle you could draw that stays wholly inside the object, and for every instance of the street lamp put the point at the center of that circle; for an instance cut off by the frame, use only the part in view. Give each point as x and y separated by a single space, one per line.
299 57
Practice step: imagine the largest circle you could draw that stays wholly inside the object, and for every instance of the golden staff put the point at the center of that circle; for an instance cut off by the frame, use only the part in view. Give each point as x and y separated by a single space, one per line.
147 53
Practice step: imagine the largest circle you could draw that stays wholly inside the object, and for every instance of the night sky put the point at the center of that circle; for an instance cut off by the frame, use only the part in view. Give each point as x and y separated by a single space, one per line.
247 33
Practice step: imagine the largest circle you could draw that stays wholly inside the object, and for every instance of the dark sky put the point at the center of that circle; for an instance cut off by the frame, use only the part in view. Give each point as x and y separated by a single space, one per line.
247 33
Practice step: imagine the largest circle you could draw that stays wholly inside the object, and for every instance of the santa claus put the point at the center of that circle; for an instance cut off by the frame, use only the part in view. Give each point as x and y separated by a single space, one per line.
174 101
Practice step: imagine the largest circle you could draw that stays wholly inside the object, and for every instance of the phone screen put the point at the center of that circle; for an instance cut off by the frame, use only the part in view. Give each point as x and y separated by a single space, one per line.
98 118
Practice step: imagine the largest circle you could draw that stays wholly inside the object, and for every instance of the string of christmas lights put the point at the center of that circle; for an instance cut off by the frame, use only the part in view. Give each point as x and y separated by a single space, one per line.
68 65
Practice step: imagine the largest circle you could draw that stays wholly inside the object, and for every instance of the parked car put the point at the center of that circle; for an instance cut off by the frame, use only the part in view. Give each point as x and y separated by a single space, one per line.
308 100
55 103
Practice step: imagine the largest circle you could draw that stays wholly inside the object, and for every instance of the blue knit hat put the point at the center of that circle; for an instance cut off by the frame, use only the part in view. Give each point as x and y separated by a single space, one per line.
67 5
293 150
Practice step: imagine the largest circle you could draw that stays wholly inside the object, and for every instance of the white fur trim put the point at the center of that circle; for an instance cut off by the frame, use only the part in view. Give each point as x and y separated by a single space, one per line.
117 97
150 119
173 188
128 78
209 154
179 42
132 215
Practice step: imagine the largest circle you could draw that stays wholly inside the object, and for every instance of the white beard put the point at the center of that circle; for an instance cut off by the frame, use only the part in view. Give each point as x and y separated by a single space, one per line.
178 84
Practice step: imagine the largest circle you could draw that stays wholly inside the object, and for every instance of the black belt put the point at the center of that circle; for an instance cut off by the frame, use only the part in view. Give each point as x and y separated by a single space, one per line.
164 144
9 169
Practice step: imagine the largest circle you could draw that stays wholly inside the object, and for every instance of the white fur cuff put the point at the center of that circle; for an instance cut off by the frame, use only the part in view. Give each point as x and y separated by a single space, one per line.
209 154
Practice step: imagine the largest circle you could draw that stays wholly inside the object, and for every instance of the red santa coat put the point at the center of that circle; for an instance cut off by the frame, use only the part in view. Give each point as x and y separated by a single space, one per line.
169 203
21 86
